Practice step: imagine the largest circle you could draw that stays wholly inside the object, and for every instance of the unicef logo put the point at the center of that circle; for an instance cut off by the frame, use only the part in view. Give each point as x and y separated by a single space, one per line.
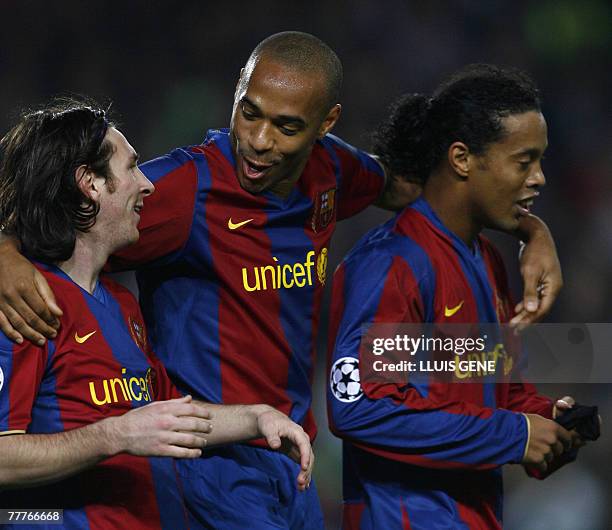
344 380
1 378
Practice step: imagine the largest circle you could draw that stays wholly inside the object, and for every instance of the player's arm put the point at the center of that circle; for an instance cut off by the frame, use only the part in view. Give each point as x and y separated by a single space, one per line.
540 269
239 423
27 304
28 309
397 421
175 428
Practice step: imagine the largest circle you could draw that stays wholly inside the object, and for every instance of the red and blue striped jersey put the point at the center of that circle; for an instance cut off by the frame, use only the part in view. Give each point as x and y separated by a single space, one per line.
98 366
233 281
424 454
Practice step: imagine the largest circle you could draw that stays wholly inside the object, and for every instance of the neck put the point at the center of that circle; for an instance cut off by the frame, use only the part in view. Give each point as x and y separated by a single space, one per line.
86 262
446 194
284 187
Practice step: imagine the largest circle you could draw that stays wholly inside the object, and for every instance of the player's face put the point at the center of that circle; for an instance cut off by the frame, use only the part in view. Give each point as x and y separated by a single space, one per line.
121 196
278 114
505 179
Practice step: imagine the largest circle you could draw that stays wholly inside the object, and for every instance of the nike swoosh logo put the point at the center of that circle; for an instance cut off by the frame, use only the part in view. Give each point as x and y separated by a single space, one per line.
233 226
82 339
450 312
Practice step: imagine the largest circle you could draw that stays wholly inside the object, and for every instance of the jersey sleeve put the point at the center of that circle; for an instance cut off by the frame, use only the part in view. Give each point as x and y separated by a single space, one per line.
361 177
164 388
167 215
395 421
22 369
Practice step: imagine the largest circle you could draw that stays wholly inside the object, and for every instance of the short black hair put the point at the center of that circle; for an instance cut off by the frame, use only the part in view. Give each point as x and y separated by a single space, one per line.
467 107
306 53
40 202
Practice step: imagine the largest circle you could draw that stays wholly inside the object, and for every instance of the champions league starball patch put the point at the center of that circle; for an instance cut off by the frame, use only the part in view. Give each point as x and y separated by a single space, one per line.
344 380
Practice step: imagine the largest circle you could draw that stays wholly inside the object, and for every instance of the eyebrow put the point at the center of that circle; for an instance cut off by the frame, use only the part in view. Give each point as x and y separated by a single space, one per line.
532 152
281 118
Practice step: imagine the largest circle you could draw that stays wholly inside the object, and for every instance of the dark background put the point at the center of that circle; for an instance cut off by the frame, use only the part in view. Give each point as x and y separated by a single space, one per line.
170 70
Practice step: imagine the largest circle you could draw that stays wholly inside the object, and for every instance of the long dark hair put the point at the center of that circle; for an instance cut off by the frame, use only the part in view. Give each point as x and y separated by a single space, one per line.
40 202
468 107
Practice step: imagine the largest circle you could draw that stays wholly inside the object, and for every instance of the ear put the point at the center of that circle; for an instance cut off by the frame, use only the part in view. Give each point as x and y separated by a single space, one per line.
88 182
330 120
459 159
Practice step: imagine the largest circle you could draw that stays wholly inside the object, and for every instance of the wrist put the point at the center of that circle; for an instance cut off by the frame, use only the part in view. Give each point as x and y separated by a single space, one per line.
109 433
531 227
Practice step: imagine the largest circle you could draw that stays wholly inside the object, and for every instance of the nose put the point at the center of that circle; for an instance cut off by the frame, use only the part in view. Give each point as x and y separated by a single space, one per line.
146 186
537 179
260 139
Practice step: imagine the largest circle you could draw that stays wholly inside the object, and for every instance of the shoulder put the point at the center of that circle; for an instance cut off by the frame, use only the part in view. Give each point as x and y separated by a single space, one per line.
381 247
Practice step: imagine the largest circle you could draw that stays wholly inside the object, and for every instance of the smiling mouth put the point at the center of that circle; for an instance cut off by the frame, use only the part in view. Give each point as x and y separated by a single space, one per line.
253 169
524 205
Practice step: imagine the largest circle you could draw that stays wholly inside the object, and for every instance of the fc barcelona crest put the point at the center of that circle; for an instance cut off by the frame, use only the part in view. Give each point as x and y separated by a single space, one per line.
324 209
138 333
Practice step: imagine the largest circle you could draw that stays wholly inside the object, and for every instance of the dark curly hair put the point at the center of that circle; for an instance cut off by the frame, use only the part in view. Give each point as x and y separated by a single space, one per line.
468 107
40 202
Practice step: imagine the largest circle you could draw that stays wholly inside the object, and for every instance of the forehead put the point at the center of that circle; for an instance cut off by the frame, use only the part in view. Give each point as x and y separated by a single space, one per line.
278 89
122 150
524 131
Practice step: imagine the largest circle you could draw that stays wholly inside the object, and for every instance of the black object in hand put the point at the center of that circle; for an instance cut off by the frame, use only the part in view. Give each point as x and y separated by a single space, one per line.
583 418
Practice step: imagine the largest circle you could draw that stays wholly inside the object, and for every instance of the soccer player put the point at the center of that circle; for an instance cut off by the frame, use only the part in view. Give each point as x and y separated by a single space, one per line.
427 454
78 415
232 261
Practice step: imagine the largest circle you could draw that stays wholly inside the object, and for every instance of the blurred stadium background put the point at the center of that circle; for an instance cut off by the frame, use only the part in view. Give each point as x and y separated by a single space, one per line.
170 70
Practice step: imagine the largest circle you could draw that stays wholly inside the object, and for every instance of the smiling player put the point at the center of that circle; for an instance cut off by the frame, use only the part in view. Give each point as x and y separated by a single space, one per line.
232 263
78 415
427 454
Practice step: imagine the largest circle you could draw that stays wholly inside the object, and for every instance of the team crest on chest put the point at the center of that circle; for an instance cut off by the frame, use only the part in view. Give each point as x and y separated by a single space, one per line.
138 333
324 209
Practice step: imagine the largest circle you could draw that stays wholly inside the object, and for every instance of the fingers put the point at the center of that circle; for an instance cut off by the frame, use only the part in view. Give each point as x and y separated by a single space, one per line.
531 282
566 402
26 322
565 437
9 330
180 452
52 311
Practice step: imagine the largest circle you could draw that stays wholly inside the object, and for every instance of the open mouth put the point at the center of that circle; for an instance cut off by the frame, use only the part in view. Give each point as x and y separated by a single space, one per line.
254 169
524 205
138 208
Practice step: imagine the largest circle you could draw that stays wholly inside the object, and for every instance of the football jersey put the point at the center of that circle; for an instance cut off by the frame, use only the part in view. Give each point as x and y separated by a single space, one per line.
98 366
233 283
424 454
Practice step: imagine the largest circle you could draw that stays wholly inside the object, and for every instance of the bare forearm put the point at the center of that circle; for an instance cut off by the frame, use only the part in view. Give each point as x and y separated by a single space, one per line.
34 459
233 423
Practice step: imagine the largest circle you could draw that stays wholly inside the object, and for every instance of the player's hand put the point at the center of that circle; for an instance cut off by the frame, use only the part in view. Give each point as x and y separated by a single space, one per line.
541 272
566 403
176 428
547 441
284 435
27 305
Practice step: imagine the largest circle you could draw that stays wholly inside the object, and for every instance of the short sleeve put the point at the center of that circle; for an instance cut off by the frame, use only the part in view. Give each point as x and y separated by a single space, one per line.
361 177
22 369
